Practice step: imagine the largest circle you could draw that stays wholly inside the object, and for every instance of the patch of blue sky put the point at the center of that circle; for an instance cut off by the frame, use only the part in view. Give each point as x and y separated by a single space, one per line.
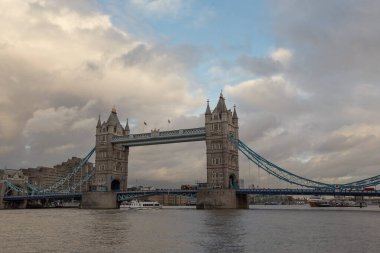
230 26
223 30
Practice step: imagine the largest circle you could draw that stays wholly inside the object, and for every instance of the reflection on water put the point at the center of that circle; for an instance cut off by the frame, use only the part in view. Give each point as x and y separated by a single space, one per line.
262 229
223 229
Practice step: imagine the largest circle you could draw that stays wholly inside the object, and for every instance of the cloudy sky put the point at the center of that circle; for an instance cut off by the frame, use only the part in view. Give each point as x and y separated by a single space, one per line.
304 76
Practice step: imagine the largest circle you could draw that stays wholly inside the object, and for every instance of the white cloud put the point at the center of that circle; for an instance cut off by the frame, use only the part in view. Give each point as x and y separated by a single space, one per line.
84 124
172 7
282 55
52 120
305 108
60 149
359 130
70 21
6 149
64 64
272 93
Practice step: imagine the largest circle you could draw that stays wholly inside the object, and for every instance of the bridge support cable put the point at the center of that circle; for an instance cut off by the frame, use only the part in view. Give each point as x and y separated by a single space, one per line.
65 179
83 180
277 171
260 163
33 190
282 173
292 178
372 181
15 188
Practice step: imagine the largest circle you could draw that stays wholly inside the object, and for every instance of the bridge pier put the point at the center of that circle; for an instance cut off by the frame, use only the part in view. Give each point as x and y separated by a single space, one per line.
2 192
10 205
99 200
221 199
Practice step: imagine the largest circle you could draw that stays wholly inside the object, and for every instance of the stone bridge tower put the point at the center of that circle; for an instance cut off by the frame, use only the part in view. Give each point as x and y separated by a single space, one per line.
222 155
111 159
222 160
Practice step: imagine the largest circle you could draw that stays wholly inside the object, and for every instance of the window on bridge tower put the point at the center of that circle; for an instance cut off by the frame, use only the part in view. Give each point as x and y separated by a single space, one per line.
118 167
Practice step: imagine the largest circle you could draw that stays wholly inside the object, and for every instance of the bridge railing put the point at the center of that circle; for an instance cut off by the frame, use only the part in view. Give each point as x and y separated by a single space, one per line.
161 137
130 195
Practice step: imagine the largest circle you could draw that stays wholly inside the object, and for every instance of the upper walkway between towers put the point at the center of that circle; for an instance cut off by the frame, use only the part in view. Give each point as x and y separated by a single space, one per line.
161 137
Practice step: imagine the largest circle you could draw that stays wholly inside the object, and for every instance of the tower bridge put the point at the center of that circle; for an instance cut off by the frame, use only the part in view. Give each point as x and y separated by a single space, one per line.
108 180
112 153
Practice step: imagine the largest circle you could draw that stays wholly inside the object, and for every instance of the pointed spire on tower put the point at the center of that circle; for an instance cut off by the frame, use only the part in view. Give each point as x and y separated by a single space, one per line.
221 106
113 120
99 124
208 111
234 116
127 126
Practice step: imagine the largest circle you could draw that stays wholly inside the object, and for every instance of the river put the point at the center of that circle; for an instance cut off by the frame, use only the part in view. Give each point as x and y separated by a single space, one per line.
259 229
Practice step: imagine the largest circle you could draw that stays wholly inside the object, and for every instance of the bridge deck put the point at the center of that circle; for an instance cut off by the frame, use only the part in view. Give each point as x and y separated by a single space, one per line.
321 192
164 137
123 196
54 196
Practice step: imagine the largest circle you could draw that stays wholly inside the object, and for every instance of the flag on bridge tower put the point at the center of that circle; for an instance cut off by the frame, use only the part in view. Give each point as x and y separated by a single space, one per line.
169 121
144 126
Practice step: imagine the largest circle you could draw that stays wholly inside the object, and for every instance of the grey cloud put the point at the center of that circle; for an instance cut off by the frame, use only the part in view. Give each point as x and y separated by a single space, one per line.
136 56
264 66
262 123
335 60
340 143
170 165
73 72
186 56
336 42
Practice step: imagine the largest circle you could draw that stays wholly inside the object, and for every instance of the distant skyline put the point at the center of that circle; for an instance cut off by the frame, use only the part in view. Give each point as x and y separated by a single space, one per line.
304 76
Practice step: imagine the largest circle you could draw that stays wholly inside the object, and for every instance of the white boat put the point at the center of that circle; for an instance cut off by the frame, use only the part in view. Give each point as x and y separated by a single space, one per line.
317 201
134 204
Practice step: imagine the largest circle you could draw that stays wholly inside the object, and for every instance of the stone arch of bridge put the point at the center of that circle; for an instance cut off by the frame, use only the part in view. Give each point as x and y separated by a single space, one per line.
115 185
232 181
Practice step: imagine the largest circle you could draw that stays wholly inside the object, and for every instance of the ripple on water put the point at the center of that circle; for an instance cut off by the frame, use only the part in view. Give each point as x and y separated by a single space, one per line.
262 229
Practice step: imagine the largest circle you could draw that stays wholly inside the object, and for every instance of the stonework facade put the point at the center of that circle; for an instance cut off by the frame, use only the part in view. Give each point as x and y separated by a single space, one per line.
111 159
222 155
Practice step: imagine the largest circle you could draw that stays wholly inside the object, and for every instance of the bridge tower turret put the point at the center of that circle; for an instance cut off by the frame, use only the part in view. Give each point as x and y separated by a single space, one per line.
222 160
111 159
222 155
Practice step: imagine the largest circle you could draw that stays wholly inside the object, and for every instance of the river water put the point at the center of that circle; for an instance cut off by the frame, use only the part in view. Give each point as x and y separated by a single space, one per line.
259 229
